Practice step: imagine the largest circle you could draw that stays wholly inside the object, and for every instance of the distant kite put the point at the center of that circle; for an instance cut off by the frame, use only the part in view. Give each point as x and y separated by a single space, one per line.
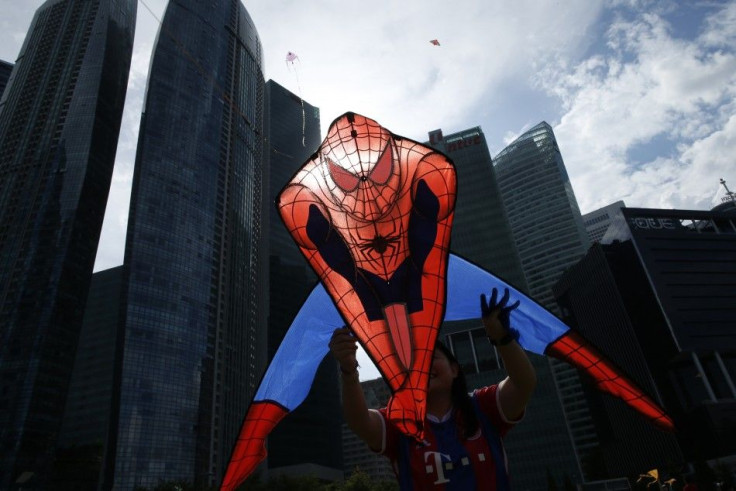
291 58
435 42
372 214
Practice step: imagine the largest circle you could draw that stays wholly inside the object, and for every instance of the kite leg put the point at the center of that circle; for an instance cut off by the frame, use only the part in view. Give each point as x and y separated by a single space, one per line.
286 383
262 418
575 350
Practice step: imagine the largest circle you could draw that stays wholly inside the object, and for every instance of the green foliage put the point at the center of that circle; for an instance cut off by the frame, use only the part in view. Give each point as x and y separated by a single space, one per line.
176 485
358 481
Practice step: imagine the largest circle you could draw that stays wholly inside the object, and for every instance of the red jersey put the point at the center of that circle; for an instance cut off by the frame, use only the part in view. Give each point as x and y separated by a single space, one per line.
445 461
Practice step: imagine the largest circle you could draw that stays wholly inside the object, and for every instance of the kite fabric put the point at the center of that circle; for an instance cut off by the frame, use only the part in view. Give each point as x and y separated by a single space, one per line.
435 42
291 57
371 212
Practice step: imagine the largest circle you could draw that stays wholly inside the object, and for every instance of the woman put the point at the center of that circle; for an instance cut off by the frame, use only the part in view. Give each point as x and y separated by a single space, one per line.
462 448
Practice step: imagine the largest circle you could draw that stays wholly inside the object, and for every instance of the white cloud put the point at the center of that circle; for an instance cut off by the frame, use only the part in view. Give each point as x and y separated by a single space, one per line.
376 59
721 28
651 84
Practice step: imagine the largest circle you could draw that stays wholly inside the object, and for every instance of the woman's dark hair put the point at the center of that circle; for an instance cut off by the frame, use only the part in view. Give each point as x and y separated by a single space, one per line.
467 419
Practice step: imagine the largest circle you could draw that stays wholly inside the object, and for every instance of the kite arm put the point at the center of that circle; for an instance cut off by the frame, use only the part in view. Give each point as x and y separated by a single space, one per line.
443 188
296 205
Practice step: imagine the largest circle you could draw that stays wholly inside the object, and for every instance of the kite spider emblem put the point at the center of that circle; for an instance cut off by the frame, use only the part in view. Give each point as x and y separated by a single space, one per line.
372 214
379 244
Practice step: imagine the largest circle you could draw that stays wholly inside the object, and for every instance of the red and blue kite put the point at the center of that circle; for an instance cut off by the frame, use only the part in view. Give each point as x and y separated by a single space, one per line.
372 213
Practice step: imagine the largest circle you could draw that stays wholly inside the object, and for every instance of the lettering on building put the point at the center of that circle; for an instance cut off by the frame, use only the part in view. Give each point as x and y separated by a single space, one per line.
463 142
649 223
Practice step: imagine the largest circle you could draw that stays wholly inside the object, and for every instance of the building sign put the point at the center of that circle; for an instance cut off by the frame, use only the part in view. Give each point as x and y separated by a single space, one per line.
650 223
463 142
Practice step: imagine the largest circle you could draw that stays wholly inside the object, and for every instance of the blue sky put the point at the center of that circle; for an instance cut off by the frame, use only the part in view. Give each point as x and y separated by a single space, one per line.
641 94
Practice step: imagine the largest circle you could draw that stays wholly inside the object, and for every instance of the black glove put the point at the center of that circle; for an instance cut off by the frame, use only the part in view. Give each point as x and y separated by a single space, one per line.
487 308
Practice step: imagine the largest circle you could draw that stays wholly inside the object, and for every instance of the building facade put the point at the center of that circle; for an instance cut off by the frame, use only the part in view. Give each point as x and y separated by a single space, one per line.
665 288
87 410
598 222
5 71
550 236
59 122
195 268
308 440
480 230
357 454
544 215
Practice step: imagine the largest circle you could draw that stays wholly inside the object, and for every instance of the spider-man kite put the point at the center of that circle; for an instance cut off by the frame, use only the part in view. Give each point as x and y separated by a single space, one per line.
372 213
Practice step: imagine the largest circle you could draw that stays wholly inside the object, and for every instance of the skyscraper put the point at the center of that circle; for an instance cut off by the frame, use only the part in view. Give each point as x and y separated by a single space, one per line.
59 125
597 222
308 440
664 290
481 233
550 236
357 454
5 70
589 292
541 206
86 416
194 291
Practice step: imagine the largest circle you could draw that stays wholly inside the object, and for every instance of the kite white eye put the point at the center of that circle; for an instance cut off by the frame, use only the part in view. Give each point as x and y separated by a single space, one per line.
345 180
382 171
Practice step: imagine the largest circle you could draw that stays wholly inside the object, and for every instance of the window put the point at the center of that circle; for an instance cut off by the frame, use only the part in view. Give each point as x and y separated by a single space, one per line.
474 351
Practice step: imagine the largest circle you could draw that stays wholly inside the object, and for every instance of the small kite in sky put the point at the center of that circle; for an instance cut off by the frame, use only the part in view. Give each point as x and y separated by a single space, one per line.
435 42
291 58
372 213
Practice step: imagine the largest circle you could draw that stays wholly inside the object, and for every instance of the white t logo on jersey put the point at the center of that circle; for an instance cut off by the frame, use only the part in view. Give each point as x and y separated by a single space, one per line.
437 457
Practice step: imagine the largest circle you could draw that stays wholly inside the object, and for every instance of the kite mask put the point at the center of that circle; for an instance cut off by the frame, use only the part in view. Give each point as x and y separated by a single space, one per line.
364 182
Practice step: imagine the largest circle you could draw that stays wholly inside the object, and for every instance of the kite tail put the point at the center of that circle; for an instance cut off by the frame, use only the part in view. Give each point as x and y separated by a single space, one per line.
304 117
250 449
574 349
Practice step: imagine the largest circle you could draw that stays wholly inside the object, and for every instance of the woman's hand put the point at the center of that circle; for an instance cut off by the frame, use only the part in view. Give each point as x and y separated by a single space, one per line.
344 346
496 315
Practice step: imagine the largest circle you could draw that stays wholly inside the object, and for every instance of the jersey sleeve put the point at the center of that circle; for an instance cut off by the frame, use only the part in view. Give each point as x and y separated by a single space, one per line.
487 398
391 435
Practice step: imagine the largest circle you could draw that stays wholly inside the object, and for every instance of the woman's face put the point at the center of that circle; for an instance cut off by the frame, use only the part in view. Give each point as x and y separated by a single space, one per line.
442 374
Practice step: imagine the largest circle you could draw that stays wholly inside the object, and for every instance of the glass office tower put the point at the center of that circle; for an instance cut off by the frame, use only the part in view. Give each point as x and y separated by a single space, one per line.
542 210
480 231
5 70
59 123
550 236
194 292
87 412
308 440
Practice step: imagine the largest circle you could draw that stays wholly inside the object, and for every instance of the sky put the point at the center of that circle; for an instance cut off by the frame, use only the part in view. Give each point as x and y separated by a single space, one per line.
641 94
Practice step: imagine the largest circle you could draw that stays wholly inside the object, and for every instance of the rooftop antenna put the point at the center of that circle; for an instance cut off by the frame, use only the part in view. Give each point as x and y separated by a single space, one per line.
730 195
